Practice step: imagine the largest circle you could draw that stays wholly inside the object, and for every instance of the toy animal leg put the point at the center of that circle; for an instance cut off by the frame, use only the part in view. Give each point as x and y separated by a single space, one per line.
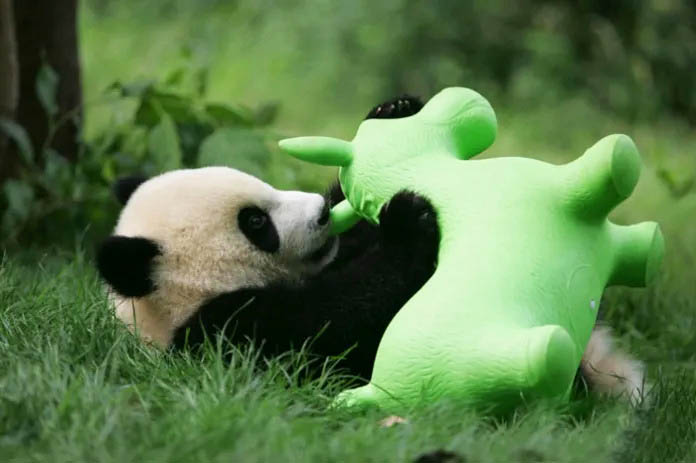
503 370
603 176
638 251
552 360
359 397
509 366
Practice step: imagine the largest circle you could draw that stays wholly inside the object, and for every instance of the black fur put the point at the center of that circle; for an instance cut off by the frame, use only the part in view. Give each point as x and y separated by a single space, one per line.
353 299
125 186
357 240
126 264
258 227
351 302
402 106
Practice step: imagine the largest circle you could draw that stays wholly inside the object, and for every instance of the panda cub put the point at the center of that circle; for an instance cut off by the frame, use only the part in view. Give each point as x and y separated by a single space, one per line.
203 250
199 250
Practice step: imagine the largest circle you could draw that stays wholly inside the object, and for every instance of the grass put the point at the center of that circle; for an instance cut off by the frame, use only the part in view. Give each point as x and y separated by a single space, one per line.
76 386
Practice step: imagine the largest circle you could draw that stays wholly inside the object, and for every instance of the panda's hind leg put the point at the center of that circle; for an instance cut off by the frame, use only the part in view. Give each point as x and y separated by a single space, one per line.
607 370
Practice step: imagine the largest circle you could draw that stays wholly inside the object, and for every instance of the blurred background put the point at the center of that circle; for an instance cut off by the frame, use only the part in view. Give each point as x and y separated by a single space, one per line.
95 89
103 88
100 88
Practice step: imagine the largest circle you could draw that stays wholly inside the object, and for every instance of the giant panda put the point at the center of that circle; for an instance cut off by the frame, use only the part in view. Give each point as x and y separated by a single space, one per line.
213 250
196 249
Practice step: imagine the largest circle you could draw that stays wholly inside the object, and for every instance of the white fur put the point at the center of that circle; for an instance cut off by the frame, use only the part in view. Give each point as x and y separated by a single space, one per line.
609 370
192 215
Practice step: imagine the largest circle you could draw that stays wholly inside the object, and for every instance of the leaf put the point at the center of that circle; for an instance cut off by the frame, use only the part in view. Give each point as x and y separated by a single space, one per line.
47 89
19 197
163 144
677 184
175 77
57 176
17 134
225 115
190 138
240 148
266 113
201 81
156 102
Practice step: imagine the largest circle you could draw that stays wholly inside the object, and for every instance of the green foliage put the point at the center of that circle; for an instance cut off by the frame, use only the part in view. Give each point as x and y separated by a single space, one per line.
172 126
20 138
47 89
218 146
173 120
633 57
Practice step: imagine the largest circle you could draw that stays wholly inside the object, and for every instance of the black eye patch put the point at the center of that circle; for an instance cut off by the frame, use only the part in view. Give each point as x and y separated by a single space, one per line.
258 227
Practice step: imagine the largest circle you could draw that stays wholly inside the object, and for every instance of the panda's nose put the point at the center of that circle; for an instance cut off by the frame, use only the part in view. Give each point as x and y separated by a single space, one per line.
324 215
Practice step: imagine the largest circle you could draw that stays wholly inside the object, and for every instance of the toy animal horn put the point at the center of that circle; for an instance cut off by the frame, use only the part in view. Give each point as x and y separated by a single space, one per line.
326 151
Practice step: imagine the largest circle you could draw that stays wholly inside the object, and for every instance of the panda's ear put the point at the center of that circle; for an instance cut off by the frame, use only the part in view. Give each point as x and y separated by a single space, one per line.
125 186
126 264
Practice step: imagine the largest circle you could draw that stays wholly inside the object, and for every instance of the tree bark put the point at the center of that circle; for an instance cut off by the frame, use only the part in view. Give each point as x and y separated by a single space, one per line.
46 31
8 85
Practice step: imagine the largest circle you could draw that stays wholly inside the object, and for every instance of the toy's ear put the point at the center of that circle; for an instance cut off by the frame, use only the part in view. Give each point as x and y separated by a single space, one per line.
467 115
126 264
125 186
326 151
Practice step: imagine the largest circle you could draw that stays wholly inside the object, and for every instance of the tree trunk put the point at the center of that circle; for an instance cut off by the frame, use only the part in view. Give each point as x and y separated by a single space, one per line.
8 85
46 31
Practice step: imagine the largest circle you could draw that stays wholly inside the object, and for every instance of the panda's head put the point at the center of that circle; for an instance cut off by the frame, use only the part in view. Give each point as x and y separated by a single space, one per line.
189 235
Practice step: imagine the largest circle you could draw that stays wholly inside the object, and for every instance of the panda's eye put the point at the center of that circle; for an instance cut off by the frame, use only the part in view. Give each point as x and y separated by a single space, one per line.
257 221
258 228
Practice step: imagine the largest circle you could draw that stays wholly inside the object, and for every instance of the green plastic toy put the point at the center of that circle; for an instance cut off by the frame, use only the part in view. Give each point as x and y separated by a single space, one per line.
526 250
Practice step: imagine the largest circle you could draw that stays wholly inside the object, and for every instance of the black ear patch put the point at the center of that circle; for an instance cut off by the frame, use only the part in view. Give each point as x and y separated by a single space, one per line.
125 186
396 108
126 264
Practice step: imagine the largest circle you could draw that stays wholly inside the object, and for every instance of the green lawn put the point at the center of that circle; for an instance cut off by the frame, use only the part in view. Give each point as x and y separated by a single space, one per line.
76 386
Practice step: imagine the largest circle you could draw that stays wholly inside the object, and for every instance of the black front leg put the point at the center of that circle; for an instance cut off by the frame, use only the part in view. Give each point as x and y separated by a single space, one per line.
410 233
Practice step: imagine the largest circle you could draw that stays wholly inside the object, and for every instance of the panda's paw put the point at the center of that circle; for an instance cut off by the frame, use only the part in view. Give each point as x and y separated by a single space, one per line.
403 106
408 218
